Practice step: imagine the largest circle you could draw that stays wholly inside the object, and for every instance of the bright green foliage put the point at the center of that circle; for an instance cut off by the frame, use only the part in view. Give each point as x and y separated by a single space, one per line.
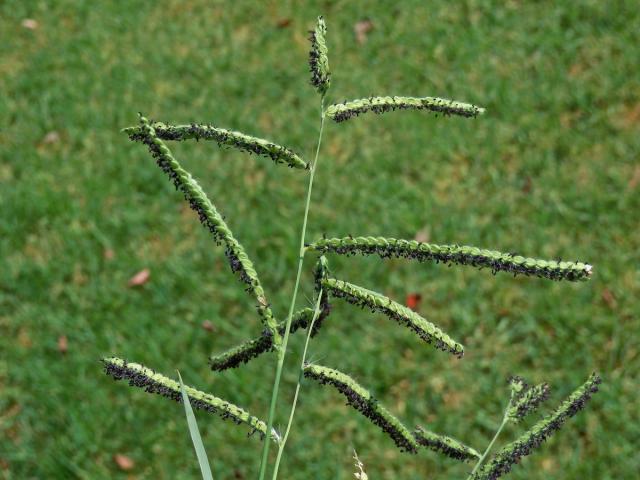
152 382
362 400
340 112
447 445
455 254
403 315
210 218
241 141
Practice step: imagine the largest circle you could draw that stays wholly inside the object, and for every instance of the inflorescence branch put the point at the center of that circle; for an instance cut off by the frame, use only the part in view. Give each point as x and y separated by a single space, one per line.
454 254
340 112
152 382
362 400
364 298
210 218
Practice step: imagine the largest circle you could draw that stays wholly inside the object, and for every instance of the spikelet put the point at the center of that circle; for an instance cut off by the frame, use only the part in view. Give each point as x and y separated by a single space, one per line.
255 347
152 382
318 59
405 316
211 219
506 457
321 273
450 254
241 141
340 112
362 400
446 445
525 398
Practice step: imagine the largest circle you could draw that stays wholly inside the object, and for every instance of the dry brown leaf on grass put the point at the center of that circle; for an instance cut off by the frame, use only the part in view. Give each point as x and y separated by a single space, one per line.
140 278
63 344
124 463
361 29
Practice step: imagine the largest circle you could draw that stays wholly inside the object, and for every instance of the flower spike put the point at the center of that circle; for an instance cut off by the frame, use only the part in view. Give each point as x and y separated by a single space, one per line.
362 400
211 219
450 254
405 316
241 141
340 112
152 382
318 59
446 445
505 458
255 347
525 398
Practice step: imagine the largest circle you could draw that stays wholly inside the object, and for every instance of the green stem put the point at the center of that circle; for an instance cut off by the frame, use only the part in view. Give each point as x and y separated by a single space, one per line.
316 313
282 349
505 419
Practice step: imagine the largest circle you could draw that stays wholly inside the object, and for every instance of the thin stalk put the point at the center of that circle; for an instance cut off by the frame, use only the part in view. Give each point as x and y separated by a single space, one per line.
282 349
316 313
505 420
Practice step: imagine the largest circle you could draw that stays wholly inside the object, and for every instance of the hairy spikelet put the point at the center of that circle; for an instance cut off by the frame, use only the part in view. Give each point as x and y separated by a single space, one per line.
211 219
152 382
362 400
446 445
340 112
506 457
318 59
455 254
405 316
241 141
525 398
253 348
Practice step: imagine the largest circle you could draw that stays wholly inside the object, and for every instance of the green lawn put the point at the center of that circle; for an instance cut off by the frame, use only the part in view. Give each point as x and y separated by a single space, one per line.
551 170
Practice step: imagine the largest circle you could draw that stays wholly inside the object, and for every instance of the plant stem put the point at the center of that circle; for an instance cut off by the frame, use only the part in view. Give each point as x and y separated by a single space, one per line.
316 313
505 419
282 349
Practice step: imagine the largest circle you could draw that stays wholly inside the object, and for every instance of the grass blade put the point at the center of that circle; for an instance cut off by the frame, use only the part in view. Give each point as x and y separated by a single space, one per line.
205 469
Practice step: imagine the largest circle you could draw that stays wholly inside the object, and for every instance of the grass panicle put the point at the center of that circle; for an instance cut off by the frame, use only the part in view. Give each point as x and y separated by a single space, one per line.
361 399
255 347
502 462
455 254
152 382
211 219
339 112
318 58
377 302
525 398
223 137
446 445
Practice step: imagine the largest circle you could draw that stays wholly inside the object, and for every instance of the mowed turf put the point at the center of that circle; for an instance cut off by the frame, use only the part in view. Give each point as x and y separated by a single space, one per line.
551 171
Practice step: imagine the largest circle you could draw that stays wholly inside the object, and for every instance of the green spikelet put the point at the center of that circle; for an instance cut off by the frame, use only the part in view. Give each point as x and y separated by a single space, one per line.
211 219
509 455
241 141
340 112
525 398
405 316
253 348
152 382
362 400
446 445
318 59
455 254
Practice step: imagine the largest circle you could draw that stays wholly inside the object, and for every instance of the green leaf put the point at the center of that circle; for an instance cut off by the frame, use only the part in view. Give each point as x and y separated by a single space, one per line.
205 469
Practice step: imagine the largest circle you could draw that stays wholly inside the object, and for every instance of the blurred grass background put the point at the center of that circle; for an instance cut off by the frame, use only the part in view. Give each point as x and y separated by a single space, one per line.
550 171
